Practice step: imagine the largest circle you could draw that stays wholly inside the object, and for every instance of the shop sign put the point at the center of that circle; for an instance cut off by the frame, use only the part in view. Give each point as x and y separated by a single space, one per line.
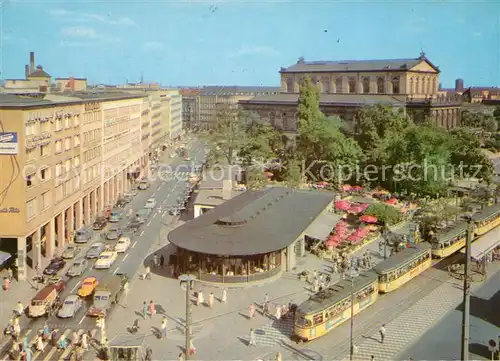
9 143
36 140
10 210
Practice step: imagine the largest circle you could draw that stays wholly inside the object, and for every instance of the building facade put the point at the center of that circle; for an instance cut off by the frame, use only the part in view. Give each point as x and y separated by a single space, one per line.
346 86
175 123
190 108
62 163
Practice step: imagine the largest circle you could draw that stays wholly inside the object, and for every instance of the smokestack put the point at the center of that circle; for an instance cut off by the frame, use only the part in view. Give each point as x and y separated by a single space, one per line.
227 186
26 71
32 62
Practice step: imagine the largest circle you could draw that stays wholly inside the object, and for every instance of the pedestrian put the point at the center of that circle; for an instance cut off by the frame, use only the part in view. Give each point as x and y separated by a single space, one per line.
147 273
266 300
224 296
211 300
85 341
382 333
191 349
279 357
251 311
75 339
278 312
19 308
316 285
200 299
265 308
164 323
251 338
6 284
162 261
151 309
53 338
16 330
10 274
26 343
39 343
29 354
144 310
155 260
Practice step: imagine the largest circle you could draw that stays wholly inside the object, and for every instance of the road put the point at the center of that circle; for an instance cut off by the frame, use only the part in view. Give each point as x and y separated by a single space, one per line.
442 342
167 188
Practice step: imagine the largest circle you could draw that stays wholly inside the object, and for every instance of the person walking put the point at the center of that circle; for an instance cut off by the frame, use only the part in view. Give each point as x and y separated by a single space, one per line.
75 339
19 308
211 300
278 312
382 333
144 310
164 323
155 260
85 341
224 296
6 284
16 330
251 311
200 299
252 341
162 261
151 309
29 354
39 344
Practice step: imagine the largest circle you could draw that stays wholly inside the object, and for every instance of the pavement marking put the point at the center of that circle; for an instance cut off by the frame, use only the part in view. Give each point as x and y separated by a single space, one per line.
125 257
83 318
68 350
141 233
156 214
53 350
147 225
116 270
77 284
133 245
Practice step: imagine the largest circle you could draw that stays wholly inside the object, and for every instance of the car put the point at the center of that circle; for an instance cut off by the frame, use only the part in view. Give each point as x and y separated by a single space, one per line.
106 260
135 224
128 198
113 234
174 212
95 250
121 203
100 223
70 306
173 155
130 194
83 235
143 185
150 203
77 268
142 215
54 266
122 245
71 251
87 287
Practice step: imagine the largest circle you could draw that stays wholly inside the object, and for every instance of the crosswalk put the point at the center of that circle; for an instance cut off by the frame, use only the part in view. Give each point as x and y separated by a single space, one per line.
49 353
169 175
274 332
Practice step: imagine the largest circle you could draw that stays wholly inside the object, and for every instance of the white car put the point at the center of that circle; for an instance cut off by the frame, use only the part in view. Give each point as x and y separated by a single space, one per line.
106 260
122 245
150 203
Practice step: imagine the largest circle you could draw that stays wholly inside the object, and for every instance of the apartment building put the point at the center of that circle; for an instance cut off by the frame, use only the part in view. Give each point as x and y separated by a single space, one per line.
63 160
190 107
175 124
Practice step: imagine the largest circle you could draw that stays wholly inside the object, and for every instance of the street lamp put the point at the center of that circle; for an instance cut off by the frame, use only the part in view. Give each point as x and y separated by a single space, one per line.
352 275
187 283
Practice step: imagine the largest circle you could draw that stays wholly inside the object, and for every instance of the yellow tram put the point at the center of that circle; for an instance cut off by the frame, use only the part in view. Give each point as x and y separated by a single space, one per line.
487 219
449 241
403 266
331 307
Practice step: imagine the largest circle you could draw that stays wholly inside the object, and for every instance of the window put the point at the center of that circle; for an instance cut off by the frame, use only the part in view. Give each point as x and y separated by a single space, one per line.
30 154
59 193
289 85
417 85
380 86
326 85
338 85
67 122
366 85
45 200
67 165
76 140
30 208
76 161
67 188
58 124
45 150
67 143
58 146
352 85
395 85
45 127
76 121
31 128
30 178
44 174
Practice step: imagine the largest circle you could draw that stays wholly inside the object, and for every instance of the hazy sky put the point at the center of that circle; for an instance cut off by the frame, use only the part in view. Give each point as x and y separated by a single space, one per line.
244 42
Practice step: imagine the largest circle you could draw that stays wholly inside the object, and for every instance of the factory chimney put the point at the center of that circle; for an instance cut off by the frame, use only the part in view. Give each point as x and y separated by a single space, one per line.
32 62
26 71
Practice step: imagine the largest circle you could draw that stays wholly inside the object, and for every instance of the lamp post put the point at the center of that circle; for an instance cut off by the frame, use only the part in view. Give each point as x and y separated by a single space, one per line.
352 274
466 287
187 282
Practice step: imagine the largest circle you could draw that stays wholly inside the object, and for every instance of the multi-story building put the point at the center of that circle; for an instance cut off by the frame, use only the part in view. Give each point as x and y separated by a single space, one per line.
175 124
190 108
62 162
346 86
214 98
36 80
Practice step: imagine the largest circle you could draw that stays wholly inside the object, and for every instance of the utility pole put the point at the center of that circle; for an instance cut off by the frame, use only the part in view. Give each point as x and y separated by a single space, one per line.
352 274
187 281
466 286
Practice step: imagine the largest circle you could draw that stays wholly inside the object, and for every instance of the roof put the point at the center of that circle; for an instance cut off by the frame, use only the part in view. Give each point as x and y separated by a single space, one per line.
487 212
455 231
484 244
70 78
9 99
402 257
253 222
334 99
211 196
126 340
40 73
234 89
336 293
303 66
44 292
187 92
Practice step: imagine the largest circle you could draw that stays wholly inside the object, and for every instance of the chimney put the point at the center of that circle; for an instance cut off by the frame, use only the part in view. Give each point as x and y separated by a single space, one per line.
26 71
227 186
32 62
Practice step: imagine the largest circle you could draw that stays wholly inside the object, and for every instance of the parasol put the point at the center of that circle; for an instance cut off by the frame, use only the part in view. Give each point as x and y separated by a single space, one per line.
392 201
357 188
368 219
322 184
342 205
356 209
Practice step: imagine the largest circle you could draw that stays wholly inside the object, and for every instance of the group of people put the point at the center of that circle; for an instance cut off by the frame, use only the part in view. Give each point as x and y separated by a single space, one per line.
200 298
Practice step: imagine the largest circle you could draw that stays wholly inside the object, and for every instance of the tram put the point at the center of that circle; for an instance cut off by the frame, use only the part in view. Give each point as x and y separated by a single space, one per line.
331 307
487 219
403 267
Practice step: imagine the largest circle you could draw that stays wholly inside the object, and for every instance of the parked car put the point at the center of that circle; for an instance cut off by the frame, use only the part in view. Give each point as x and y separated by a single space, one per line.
143 185
122 245
113 234
128 198
100 223
83 235
130 194
70 307
106 260
87 287
150 203
95 250
71 251
121 203
78 268
115 215
54 266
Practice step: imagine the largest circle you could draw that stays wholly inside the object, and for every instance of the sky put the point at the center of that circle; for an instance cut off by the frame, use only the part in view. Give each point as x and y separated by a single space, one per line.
188 42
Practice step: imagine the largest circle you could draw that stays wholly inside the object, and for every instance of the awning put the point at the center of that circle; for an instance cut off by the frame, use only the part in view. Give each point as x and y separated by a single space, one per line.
322 226
484 244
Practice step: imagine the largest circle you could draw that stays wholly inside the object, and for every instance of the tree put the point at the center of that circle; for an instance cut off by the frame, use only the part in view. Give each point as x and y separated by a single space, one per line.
385 213
293 174
490 124
496 112
256 179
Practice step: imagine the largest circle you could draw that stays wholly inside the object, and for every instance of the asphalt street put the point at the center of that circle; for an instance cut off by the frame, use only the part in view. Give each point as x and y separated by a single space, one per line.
166 188
443 341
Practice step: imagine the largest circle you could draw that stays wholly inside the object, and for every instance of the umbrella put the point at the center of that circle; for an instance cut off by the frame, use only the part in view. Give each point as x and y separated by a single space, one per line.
330 243
356 209
268 174
334 238
357 188
342 205
346 187
368 219
353 238
391 201
322 184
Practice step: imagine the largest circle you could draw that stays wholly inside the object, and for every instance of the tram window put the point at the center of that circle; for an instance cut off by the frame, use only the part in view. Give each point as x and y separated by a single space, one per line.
318 318
303 322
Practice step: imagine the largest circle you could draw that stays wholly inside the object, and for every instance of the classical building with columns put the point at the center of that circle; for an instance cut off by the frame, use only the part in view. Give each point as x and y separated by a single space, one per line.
346 86
63 160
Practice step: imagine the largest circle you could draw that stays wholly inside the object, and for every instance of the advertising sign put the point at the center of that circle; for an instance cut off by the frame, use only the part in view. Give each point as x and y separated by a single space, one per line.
9 143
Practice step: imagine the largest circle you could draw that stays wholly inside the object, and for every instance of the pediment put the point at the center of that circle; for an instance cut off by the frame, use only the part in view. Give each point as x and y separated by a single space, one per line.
425 66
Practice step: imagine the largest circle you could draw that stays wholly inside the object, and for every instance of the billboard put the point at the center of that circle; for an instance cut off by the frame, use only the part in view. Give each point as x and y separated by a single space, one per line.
9 143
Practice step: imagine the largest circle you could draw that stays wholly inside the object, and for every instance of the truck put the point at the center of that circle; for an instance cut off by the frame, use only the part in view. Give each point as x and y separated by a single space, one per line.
106 294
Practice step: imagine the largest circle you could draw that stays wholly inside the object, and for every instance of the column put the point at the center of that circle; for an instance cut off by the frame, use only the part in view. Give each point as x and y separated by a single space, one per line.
21 258
61 229
69 222
105 194
86 209
93 202
37 250
79 213
50 239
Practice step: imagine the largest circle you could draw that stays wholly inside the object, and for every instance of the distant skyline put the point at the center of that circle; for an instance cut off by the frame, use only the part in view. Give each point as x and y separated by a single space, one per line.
234 42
